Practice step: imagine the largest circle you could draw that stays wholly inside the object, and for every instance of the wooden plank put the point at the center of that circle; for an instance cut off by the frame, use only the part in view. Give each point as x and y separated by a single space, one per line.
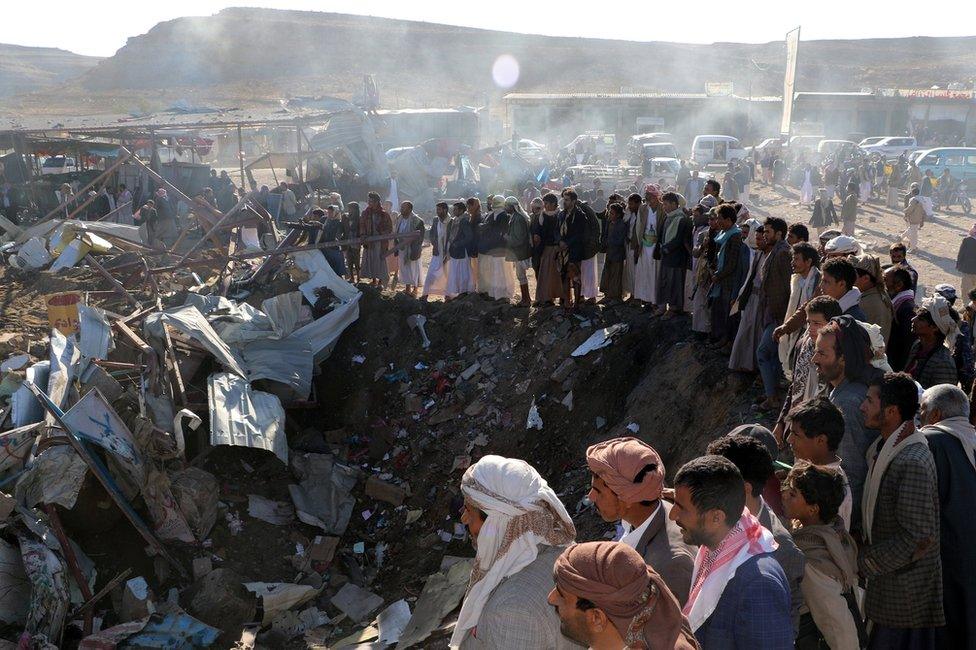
115 283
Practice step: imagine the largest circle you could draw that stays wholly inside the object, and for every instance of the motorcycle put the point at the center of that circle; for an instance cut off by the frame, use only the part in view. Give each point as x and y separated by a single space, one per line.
955 195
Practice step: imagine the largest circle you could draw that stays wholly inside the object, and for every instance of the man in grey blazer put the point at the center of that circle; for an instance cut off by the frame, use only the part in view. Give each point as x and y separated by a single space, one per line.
626 485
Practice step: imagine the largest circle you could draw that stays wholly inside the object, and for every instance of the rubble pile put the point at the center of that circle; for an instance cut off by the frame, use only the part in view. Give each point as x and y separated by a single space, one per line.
210 451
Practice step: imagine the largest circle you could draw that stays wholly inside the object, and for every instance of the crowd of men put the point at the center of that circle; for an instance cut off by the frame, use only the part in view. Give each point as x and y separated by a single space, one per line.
844 526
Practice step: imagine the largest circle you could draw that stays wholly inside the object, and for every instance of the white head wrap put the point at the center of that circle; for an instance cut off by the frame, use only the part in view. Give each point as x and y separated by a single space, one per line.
751 238
843 244
523 512
938 307
879 358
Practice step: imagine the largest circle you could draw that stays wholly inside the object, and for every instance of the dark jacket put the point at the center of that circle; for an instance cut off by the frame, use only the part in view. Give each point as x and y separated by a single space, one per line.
753 611
434 232
575 236
416 224
676 252
936 367
730 271
517 238
966 258
491 234
548 234
460 237
617 232
789 557
775 287
848 210
473 245
957 529
902 564
900 341
664 550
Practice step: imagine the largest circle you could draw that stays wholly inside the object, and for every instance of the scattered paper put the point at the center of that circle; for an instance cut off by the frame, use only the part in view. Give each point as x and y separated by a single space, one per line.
534 420
442 593
600 339
277 597
392 621
355 602
278 513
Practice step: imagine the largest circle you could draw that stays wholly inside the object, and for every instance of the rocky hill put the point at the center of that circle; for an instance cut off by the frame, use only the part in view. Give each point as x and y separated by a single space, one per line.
29 69
244 54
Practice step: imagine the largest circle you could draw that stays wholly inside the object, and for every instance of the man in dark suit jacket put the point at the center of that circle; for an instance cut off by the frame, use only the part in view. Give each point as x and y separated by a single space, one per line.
626 484
675 256
755 464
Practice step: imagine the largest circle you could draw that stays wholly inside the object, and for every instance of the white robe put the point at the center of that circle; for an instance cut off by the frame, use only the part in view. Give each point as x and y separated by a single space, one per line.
409 269
588 278
435 284
806 191
498 276
459 277
645 275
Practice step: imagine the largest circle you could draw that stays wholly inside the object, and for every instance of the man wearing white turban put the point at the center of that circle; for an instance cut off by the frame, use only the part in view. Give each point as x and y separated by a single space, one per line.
519 527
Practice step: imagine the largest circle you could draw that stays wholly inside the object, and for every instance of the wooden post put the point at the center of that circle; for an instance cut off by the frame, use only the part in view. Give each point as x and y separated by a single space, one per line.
240 155
406 237
71 559
298 132
211 234
115 283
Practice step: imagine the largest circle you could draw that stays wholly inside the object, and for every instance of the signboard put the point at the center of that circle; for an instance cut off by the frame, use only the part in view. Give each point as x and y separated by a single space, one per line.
62 311
789 80
718 88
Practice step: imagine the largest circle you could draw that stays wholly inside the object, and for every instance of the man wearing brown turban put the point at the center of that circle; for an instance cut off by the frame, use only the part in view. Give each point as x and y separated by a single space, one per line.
608 598
626 483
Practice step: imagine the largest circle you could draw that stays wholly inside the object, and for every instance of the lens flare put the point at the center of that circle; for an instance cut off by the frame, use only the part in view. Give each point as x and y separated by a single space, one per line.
505 71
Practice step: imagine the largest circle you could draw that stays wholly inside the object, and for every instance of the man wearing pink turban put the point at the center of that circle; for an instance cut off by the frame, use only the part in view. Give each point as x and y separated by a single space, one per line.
607 597
626 484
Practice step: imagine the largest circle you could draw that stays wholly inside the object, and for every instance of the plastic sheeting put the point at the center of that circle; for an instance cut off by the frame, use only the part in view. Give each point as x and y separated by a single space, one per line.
289 362
190 321
323 498
284 311
240 416
323 333
26 408
322 275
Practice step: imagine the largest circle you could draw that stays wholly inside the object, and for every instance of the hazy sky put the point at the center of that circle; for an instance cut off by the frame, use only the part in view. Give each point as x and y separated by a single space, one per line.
101 27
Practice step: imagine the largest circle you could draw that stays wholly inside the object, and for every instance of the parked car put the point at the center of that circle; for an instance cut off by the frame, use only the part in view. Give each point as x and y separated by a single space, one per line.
715 150
892 146
58 165
769 144
535 152
636 143
875 139
659 150
657 169
835 147
961 162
